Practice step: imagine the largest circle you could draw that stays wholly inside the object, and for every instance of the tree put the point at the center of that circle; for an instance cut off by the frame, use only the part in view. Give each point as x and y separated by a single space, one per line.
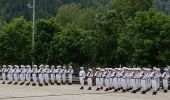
45 30
15 42
148 37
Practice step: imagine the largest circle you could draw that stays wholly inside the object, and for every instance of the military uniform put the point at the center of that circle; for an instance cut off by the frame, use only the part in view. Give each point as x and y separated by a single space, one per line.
52 75
82 75
97 76
10 74
16 74
165 77
22 74
63 73
46 74
58 75
41 73
4 73
34 75
28 74
70 74
89 78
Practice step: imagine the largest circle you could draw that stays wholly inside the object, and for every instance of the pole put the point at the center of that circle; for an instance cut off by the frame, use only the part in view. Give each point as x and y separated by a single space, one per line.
33 30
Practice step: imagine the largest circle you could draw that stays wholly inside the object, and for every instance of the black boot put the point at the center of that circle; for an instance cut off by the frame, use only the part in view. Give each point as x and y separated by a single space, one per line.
143 92
70 84
89 88
27 84
124 90
3 82
101 88
15 83
97 89
134 91
52 83
81 88
33 84
154 93
106 89
58 84
165 91
9 82
115 90
46 84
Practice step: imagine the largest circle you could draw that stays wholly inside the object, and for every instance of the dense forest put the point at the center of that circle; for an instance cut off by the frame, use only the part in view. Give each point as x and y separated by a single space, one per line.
103 33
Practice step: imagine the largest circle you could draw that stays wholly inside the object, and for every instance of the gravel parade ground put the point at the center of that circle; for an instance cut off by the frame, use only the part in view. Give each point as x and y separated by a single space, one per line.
66 92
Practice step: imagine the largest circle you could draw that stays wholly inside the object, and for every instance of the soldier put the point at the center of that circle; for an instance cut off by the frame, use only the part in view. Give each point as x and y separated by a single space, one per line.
154 81
107 81
102 77
97 76
28 75
133 80
16 74
123 79
41 72
143 81
89 78
115 80
34 75
46 74
82 75
52 75
63 73
165 77
22 74
4 73
58 75
112 76
70 73
10 74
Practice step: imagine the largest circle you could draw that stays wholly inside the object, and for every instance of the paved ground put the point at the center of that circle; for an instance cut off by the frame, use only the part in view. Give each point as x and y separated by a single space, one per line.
12 92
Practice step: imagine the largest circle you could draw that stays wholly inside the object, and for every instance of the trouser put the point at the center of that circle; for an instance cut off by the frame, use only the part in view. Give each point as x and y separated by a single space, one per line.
124 84
134 81
52 76
82 81
143 85
22 77
98 82
16 77
111 82
28 78
58 78
63 78
154 85
115 80
107 82
165 84
70 78
89 82
46 77
34 78
119 82
41 78
4 77
101 82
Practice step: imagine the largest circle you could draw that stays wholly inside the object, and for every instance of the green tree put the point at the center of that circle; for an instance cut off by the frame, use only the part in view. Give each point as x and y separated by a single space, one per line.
45 30
15 42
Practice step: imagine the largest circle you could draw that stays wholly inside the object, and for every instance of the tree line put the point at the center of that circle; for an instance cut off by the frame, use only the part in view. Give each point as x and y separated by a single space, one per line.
126 32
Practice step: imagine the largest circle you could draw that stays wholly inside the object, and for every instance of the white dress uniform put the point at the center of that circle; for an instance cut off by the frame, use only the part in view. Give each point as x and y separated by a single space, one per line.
115 80
154 82
63 73
107 80
34 75
102 78
97 76
134 80
165 77
144 81
4 73
58 75
28 74
46 74
82 76
10 74
123 81
89 78
112 78
52 75
16 74
41 73
70 74
22 74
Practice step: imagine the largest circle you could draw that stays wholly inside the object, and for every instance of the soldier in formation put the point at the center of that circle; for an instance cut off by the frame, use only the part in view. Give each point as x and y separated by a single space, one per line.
42 75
